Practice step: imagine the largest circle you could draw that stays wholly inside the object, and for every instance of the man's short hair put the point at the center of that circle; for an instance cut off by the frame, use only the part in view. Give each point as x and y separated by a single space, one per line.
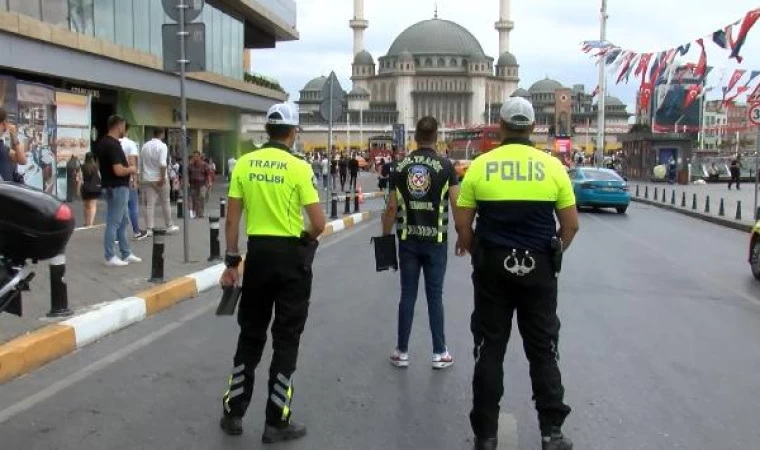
427 130
114 121
158 132
278 132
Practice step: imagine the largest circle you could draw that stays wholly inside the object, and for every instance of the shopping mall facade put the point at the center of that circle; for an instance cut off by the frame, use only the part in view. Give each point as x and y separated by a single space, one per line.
67 65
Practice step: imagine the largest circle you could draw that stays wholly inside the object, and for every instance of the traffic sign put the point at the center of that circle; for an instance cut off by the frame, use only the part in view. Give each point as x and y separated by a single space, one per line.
754 114
332 110
195 47
193 9
754 97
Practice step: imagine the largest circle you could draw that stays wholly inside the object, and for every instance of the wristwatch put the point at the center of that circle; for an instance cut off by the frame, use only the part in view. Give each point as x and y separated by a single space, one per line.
232 260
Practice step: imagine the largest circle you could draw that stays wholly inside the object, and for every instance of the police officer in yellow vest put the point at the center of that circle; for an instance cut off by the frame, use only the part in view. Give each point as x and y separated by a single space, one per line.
271 185
515 191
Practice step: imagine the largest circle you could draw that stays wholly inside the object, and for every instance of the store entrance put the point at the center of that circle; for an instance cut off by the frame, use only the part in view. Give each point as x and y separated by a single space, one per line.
99 116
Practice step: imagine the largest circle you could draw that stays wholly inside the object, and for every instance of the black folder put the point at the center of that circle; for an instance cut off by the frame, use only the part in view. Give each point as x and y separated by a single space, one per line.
385 253
230 298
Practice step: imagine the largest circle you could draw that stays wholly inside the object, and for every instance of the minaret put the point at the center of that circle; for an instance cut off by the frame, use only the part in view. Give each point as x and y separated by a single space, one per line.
503 26
358 24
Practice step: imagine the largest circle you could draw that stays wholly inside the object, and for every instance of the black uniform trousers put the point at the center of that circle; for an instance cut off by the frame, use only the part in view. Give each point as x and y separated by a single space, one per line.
277 277
533 296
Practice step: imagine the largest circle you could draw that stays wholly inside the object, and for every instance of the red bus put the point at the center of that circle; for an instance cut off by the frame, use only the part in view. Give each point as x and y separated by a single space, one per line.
469 142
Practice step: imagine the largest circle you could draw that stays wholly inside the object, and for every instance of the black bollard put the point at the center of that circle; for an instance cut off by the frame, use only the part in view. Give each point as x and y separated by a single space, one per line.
721 209
222 207
213 225
683 200
347 209
180 208
739 210
707 205
637 190
646 192
656 193
157 260
59 296
664 197
694 202
356 202
334 206
673 198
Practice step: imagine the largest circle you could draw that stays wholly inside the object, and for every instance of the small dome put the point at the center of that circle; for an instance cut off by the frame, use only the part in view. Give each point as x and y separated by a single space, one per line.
520 92
507 59
358 92
363 58
546 86
316 84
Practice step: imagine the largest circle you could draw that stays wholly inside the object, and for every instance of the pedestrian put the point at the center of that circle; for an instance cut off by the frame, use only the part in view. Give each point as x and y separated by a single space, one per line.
343 172
334 168
198 180
154 159
424 184
116 174
230 167
11 156
133 155
353 170
516 190
91 189
325 171
316 167
272 185
736 170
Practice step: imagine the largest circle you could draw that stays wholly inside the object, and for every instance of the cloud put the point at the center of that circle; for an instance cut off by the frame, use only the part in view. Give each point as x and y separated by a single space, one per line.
546 38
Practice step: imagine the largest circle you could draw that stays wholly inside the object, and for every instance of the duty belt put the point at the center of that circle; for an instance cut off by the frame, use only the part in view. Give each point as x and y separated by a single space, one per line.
520 263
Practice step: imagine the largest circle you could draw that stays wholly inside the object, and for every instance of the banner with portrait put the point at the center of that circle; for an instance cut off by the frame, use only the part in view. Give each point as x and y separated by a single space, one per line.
36 131
72 141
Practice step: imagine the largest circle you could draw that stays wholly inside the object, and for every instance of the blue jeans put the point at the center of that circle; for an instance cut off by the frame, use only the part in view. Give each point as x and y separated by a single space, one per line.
117 219
430 258
133 216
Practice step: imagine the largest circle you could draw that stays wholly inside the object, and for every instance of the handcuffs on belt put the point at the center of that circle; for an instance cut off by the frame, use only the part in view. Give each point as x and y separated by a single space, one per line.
519 265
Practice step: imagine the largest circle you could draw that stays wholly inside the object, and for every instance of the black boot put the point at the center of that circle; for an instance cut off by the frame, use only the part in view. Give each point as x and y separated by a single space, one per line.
231 425
291 431
555 440
486 444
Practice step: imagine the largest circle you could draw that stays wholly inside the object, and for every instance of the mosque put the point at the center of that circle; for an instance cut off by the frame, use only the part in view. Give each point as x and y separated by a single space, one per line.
437 67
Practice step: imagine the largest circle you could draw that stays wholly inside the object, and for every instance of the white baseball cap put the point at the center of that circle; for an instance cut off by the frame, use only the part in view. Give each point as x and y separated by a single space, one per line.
518 113
283 114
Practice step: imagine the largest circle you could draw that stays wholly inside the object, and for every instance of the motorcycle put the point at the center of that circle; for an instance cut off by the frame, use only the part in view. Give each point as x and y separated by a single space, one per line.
34 226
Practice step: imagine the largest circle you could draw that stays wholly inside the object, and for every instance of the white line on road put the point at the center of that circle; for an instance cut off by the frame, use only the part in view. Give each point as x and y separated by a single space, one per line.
55 388
697 274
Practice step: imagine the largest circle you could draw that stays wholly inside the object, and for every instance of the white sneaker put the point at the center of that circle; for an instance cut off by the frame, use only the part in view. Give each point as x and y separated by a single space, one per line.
149 232
399 359
132 259
442 361
172 229
116 262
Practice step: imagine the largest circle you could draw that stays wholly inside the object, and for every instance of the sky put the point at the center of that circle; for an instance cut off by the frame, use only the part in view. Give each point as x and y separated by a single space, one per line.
546 39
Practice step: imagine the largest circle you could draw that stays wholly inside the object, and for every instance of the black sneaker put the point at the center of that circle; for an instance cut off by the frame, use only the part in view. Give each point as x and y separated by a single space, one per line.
555 440
486 444
231 425
141 235
290 432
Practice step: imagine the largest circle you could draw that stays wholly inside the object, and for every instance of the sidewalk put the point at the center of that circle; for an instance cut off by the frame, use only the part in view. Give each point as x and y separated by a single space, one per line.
644 192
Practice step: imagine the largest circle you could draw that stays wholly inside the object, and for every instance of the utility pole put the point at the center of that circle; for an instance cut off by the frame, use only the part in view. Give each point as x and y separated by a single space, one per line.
183 112
601 103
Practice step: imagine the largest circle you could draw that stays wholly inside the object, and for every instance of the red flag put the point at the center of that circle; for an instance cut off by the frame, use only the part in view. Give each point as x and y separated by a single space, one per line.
738 74
645 96
702 65
749 21
739 91
626 66
643 65
691 94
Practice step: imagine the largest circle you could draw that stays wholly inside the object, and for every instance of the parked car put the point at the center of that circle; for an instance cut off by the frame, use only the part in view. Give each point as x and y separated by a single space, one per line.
754 251
600 188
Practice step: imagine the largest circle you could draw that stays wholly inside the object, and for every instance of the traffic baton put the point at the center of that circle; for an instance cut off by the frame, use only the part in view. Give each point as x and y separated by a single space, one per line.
213 223
157 260
59 295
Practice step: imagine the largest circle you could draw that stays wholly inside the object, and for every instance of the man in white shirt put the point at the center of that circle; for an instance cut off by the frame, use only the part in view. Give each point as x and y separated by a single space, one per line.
130 151
154 158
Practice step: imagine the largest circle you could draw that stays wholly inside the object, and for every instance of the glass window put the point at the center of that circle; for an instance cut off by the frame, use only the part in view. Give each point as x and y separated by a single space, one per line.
56 12
81 18
207 18
104 20
156 22
141 22
226 45
29 8
124 23
217 66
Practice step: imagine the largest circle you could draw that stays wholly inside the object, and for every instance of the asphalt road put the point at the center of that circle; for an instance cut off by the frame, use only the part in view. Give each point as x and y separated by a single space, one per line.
661 325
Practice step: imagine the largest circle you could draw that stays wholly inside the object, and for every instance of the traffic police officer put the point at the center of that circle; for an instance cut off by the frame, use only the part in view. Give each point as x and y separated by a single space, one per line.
516 255
271 185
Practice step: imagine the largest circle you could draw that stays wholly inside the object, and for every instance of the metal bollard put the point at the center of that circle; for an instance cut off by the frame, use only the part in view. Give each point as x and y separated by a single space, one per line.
646 192
707 205
683 200
637 190
222 208
656 193
347 209
694 202
59 296
721 209
739 210
216 254
673 198
180 208
356 202
664 198
334 206
157 260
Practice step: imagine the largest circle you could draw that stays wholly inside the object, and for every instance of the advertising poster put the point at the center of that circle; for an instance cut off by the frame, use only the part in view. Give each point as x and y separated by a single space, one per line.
36 131
563 145
72 140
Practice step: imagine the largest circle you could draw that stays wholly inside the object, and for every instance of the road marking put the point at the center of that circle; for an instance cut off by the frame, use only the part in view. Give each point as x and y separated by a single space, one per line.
698 275
508 432
65 383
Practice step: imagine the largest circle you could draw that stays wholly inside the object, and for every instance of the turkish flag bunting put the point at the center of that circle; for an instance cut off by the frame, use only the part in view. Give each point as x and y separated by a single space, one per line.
738 74
691 94
626 66
645 95
749 21
739 91
643 64
702 65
